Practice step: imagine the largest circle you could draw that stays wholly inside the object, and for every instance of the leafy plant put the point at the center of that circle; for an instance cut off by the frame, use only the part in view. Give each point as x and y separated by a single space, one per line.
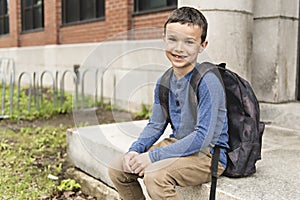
68 185
4 145
144 113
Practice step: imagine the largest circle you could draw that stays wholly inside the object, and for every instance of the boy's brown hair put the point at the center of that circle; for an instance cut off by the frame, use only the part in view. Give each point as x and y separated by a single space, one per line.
188 15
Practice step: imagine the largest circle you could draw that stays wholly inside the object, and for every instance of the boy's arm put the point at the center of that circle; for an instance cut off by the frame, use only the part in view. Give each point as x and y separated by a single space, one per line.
154 129
211 102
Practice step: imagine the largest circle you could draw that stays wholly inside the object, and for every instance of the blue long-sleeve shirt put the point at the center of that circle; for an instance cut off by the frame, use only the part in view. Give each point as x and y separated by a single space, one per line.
209 127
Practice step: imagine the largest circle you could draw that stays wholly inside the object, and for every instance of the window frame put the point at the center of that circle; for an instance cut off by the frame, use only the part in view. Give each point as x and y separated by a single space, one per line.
4 30
33 26
100 15
168 6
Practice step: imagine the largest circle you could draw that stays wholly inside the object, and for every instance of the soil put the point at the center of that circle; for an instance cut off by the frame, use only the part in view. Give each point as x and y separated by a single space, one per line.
75 119
78 118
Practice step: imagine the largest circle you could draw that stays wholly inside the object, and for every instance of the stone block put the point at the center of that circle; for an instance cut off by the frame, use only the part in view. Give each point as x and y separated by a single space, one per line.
276 8
284 115
230 28
226 5
230 43
274 61
91 186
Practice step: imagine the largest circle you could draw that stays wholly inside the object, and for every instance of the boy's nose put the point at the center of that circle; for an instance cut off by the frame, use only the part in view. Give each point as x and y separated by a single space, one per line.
179 46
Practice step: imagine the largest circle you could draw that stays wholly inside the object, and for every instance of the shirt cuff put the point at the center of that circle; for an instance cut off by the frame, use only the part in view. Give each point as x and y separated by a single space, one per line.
155 155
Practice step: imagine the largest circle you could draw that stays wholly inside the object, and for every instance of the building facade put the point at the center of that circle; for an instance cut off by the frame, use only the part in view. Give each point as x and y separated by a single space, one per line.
38 22
257 39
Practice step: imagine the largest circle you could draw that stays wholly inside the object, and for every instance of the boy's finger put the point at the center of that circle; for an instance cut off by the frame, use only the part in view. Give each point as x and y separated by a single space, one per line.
138 170
126 165
134 167
126 168
141 173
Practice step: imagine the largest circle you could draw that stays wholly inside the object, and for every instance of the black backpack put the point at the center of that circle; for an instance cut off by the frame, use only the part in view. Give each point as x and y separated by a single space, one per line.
244 127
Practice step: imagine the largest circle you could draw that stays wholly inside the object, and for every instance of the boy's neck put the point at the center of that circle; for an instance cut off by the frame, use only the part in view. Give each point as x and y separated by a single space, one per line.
181 72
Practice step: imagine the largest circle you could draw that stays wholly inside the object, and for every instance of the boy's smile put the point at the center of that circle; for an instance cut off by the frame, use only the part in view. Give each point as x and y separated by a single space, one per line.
183 43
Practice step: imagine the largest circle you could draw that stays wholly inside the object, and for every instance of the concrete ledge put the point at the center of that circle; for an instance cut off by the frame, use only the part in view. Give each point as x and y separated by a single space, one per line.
92 148
283 114
92 186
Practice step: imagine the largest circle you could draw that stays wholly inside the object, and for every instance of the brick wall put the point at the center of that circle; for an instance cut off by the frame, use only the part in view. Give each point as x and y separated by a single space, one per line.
119 19
87 32
150 26
48 35
12 39
52 10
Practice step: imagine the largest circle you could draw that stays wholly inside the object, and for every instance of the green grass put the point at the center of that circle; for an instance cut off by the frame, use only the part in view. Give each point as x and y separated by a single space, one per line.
27 159
33 159
39 109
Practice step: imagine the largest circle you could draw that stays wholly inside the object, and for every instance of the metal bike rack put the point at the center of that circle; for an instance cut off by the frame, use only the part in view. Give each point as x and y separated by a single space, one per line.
54 86
8 68
29 90
36 82
36 90
62 87
56 83
96 71
3 78
99 70
102 86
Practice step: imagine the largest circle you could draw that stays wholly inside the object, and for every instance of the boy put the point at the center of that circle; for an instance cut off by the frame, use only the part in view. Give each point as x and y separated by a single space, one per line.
183 159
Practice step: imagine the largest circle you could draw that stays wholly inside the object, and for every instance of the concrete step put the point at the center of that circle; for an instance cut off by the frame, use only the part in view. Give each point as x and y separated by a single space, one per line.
281 114
92 148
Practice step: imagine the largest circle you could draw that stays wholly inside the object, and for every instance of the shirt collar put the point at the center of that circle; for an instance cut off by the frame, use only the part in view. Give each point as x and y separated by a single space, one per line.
186 77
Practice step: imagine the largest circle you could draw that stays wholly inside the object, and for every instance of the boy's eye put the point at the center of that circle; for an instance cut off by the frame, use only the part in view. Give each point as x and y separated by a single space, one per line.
190 42
172 39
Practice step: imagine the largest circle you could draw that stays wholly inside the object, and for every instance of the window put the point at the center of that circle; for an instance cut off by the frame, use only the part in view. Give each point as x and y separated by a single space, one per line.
32 14
4 19
82 10
142 6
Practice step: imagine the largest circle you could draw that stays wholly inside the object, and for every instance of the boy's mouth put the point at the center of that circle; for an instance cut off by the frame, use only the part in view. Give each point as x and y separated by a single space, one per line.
179 57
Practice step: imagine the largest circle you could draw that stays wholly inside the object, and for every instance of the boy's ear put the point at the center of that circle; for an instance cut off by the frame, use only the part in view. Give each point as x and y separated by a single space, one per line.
203 45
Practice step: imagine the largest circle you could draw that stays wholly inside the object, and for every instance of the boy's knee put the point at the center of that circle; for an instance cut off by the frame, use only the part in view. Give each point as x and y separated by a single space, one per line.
112 173
160 186
115 168
153 179
115 174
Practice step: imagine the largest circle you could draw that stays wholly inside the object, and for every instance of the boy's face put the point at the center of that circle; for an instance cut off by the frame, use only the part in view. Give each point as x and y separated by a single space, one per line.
183 43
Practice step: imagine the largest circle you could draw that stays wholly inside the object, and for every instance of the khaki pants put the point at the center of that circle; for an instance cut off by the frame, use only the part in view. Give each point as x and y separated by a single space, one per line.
163 176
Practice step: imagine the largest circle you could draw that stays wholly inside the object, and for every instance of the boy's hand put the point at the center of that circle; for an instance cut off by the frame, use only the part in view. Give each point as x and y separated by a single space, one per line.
126 158
139 163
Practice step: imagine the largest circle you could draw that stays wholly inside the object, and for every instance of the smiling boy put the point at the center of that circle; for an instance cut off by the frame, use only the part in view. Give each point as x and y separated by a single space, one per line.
183 159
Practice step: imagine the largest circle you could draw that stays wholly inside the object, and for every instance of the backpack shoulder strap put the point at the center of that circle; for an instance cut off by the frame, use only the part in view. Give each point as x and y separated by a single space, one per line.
201 70
199 73
163 93
214 172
